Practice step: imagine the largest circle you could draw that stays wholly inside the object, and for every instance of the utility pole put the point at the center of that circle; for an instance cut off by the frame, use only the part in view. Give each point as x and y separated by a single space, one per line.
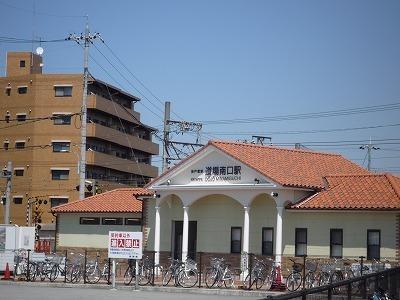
8 175
175 150
369 148
167 117
87 38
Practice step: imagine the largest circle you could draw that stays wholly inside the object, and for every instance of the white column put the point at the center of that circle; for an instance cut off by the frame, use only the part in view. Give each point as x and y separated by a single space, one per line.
157 236
185 233
278 239
246 243
246 230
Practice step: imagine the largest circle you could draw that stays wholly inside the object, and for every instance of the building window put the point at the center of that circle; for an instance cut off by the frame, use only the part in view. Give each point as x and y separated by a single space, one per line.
58 201
8 91
22 89
6 144
301 241
21 117
22 64
236 239
373 244
268 241
61 119
61 146
19 144
111 221
336 248
17 200
89 221
19 172
63 91
133 221
59 174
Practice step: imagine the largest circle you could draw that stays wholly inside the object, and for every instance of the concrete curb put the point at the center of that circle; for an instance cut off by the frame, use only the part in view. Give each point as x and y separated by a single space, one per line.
203 291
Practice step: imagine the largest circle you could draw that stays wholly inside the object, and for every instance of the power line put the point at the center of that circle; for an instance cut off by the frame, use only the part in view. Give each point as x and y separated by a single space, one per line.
40 13
312 115
13 40
137 79
293 132
120 85
127 80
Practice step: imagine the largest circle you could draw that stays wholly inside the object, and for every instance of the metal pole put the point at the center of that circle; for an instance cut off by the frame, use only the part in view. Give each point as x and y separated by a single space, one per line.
113 274
136 273
304 271
27 266
167 117
109 271
65 266
84 267
200 253
82 163
8 194
154 268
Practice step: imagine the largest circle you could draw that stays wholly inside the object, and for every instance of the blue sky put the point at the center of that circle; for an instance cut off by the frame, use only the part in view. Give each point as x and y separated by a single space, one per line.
238 59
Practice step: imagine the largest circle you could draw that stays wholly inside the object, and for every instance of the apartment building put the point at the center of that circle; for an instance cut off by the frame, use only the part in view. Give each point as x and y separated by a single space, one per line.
40 135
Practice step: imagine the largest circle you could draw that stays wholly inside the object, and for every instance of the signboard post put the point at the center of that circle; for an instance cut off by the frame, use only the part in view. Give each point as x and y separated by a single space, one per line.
126 245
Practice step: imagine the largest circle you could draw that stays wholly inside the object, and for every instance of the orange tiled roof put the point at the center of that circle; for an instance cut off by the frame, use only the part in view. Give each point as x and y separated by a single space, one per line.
356 192
290 167
116 201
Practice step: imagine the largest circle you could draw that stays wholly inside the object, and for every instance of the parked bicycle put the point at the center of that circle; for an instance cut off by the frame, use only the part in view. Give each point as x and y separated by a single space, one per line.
188 274
172 271
258 276
219 274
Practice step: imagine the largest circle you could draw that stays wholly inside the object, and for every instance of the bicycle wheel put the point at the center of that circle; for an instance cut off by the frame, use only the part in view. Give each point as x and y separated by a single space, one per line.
268 280
310 280
187 278
54 273
128 276
76 274
261 279
166 277
336 277
31 275
323 279
293 281
210 277
93 274
247 282
145 276
228 279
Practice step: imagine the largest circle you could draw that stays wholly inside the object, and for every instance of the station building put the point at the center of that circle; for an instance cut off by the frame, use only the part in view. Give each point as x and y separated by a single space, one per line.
233 198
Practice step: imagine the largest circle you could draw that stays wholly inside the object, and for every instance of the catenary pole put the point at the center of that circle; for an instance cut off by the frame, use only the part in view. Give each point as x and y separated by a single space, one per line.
167 117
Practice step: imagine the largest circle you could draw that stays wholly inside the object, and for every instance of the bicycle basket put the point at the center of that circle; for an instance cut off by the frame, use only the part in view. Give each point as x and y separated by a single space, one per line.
311 266
326 267
297 267
215 261
377 267
190 264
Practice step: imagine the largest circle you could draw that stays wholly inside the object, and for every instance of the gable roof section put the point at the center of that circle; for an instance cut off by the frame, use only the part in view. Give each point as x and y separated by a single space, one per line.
290 167
116 201
356 192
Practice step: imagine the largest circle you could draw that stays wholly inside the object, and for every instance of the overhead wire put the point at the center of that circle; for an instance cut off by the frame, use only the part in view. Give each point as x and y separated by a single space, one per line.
312 115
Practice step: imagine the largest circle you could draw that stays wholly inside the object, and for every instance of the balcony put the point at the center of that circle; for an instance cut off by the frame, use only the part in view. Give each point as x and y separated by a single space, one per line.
118 137
120 164
107 106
